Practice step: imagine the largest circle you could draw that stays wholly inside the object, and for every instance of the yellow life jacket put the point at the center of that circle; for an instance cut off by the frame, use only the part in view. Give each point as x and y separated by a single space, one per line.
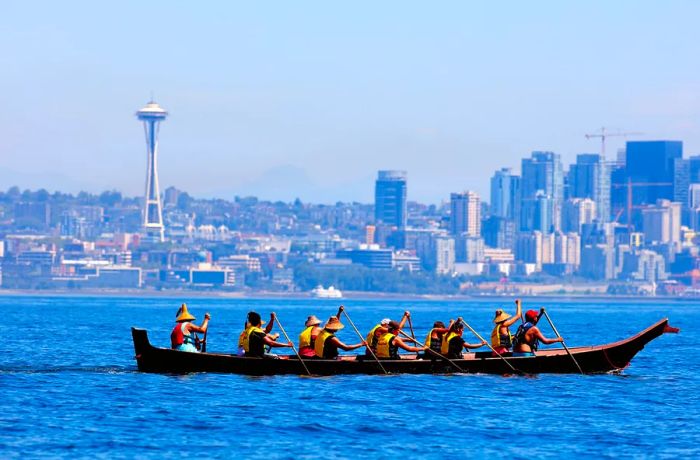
320 342
385 349
305 337
501 340
246 338
372 339
445 347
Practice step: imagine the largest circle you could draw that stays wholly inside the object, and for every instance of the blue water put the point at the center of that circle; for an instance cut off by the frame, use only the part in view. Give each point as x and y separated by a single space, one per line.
70 389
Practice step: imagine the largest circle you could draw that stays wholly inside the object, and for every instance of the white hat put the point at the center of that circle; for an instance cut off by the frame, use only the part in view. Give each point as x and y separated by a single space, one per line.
385 322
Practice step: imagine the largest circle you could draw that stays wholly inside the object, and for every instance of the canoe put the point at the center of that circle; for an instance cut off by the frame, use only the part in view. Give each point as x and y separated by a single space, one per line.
612 357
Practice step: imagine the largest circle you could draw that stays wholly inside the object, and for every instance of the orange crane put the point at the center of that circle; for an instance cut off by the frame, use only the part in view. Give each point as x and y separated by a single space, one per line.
604 134
629 207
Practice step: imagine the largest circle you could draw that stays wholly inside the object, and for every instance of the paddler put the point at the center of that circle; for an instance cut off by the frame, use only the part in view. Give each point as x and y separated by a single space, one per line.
528 336
388 344
256 339
379 330
501 338
434 338
453 343
242 336
183 335
327 344
307 338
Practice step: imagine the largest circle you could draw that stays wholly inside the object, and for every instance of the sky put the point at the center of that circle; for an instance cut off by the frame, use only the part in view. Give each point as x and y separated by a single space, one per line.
309 99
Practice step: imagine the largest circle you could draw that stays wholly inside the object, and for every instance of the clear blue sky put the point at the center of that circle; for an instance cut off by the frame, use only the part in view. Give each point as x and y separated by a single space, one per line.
314 97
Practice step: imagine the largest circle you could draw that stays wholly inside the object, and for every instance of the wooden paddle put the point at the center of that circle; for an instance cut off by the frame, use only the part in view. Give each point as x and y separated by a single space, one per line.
342 310
546 315
293 347
434 352
489 345
410 326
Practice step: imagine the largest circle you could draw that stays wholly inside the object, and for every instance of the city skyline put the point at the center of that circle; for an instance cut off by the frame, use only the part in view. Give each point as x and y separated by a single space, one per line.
283 104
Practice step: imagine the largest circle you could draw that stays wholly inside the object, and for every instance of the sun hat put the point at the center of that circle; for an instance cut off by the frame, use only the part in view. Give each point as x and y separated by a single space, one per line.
500 316
312 321
385 322
183 315
531 315
254 319
333 324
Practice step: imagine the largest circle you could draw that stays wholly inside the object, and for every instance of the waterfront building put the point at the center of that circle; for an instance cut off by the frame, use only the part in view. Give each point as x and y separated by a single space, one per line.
528 247
597 262
469 249
465 214
32 214
390 198
505 194
151 116
644 265
369 256
589 177
541 184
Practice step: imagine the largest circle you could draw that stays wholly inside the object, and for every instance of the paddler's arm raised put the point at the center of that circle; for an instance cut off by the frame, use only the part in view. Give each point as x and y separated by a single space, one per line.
203 328
401 344
268 328
406 315
342 346
518 311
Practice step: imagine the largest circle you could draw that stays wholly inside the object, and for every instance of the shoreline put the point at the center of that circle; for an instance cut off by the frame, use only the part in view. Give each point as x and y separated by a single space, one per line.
349 295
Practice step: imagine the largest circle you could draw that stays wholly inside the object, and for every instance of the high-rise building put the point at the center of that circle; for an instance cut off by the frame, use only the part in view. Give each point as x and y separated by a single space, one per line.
577 212
505 194
390 198
465 214
542 183
589 177
651 165
151 116
662 222
498 232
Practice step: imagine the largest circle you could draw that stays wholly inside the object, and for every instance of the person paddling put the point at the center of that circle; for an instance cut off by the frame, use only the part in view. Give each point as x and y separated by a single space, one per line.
256 339
501 338
327 344
528 336
434 337
453 343
182 336
379 330
388 344
307 338
242 336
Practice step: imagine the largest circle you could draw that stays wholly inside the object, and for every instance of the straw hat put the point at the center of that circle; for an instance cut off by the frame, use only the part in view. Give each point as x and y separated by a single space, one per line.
183 315
312 321
500 316
333 324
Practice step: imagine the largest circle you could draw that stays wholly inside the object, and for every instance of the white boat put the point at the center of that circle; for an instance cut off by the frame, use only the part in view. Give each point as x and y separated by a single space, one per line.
330 293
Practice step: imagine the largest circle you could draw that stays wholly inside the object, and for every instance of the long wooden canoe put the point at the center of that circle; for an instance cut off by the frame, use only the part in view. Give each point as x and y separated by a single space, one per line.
593 360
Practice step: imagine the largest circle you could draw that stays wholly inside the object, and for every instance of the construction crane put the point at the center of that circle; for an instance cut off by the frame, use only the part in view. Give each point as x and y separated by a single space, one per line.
604 134
629 185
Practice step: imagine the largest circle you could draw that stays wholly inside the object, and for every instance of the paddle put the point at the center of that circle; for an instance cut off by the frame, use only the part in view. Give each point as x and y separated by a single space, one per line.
204 341
546 315
489 345
293 347
434 352
342 310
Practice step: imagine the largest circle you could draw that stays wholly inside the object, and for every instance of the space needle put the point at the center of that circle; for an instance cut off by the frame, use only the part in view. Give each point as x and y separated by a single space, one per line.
151 116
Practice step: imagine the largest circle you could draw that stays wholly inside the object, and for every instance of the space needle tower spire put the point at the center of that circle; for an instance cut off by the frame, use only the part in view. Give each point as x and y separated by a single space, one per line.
151 116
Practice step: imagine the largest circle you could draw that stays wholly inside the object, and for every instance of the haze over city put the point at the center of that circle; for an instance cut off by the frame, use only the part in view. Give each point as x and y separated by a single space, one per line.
284 102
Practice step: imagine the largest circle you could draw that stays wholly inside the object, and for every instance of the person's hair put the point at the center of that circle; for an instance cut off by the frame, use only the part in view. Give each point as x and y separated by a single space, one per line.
439 324
254 318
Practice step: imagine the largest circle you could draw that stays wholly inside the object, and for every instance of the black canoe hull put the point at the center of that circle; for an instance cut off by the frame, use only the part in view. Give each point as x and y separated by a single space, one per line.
593 360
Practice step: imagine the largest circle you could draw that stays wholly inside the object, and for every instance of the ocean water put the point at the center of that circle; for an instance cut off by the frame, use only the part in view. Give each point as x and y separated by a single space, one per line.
70 388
